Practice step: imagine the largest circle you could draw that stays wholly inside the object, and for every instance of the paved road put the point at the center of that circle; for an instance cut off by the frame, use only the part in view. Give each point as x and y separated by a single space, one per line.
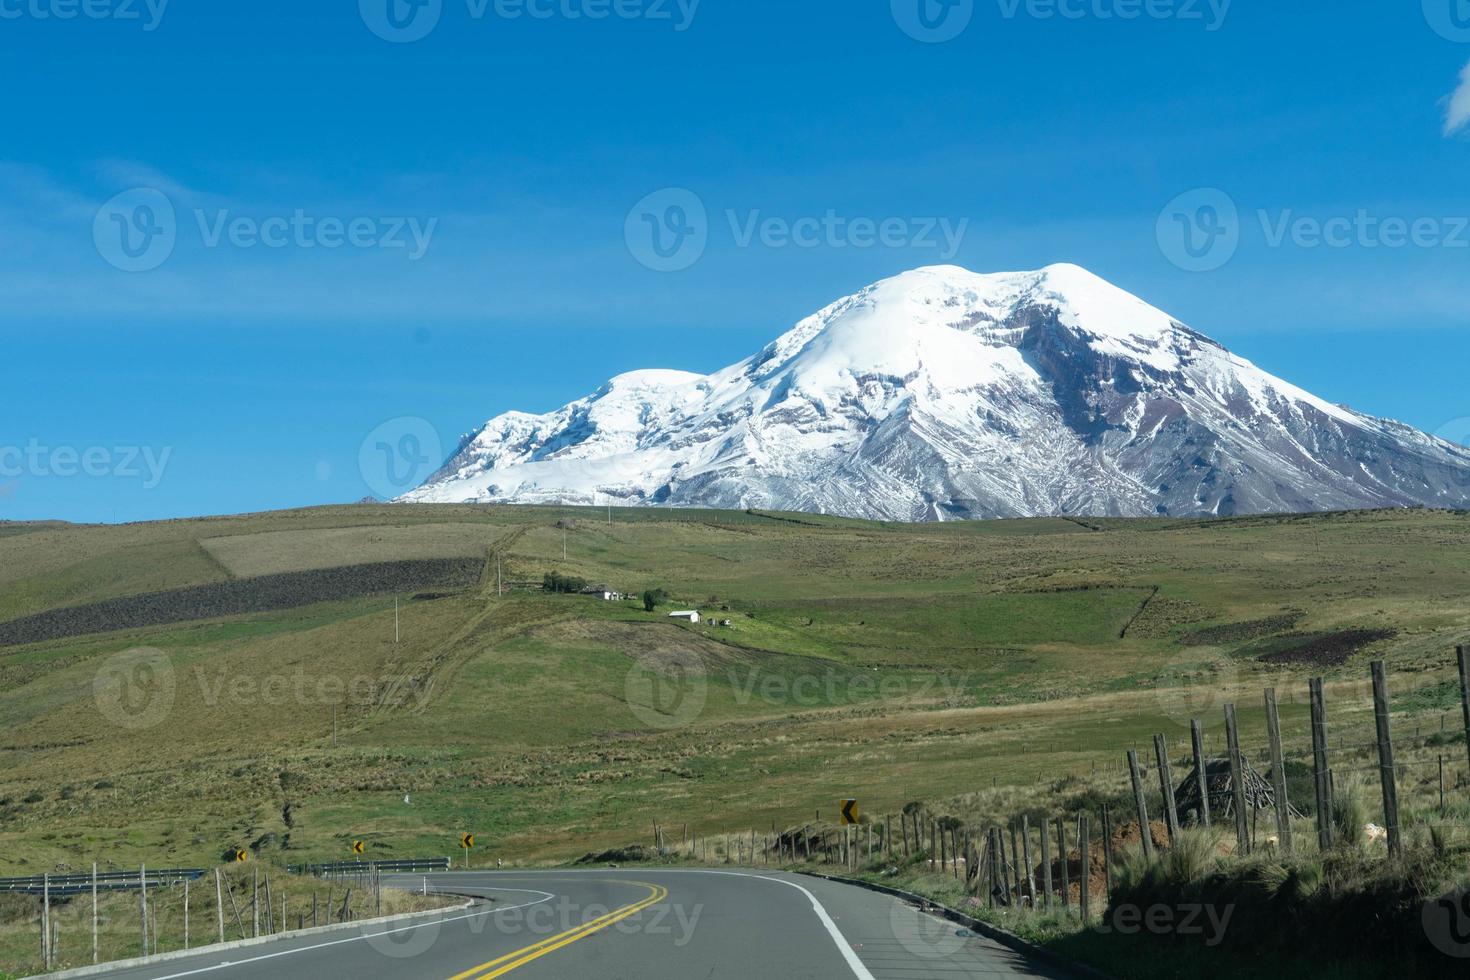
632 923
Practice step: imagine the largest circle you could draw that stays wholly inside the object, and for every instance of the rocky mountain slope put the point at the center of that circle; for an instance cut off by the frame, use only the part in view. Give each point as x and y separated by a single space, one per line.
943 394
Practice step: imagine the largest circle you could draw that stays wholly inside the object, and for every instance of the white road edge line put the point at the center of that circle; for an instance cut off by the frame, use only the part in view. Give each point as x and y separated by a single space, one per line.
843 946
358 939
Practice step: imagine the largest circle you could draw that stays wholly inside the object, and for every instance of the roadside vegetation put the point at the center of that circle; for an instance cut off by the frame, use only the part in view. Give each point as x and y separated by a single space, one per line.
295 902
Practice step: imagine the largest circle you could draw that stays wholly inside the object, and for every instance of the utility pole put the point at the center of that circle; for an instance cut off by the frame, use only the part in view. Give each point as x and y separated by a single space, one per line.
563 544
499 587
395 621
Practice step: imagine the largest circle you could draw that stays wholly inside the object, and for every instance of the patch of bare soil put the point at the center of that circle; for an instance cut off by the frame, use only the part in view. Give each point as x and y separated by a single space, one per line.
240 597
1254 629
1328 649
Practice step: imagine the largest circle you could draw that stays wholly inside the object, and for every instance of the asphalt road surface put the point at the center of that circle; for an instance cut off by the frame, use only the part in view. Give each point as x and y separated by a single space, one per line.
631 923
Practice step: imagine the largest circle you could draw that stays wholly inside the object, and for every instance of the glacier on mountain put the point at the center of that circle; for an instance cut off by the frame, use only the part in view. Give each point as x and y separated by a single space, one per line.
946 394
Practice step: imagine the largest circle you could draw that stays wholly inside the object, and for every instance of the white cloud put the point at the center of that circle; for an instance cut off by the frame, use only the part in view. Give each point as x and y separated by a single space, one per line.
1457 115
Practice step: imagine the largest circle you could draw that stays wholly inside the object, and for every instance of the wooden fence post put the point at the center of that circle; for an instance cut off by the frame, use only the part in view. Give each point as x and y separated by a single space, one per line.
903 823
1045 865
1083 839
994 868
1107 843
1166 787
1016 860
1237 783
1463 655
1278 772
1066 873
1201 770
1139 805
1386 770
1026 857
1321 773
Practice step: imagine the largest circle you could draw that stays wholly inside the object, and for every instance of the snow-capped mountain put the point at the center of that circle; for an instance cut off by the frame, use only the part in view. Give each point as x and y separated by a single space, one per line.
942 394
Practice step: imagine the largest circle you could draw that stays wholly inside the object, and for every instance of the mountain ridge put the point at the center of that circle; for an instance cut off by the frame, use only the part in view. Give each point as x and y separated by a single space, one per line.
942 393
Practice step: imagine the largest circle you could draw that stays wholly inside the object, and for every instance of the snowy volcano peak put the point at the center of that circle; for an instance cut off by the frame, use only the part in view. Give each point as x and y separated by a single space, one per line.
943 393
933 316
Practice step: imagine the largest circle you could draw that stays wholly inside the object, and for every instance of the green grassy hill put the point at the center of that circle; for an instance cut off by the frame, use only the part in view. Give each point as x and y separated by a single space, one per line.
888 662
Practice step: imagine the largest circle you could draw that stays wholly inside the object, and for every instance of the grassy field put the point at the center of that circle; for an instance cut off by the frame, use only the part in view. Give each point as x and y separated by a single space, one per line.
885 662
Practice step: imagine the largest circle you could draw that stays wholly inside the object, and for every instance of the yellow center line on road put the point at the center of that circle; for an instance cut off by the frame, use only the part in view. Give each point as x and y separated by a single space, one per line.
511 961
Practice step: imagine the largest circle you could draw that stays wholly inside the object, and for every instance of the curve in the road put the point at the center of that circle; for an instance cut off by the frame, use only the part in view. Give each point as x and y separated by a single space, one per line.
511 961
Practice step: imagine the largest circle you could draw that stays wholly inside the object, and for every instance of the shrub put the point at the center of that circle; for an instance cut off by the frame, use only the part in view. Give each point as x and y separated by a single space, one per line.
556 582
1348 816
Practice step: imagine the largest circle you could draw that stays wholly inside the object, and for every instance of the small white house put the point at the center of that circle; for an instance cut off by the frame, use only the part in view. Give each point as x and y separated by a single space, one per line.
692 615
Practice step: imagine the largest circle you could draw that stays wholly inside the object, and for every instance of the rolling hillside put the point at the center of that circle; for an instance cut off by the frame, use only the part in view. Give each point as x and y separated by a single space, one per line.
887 661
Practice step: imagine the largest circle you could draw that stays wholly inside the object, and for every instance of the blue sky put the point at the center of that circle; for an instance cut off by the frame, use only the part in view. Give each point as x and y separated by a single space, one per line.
367 227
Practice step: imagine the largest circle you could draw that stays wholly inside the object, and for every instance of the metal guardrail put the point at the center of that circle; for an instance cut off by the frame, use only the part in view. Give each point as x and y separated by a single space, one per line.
71 884
406 865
